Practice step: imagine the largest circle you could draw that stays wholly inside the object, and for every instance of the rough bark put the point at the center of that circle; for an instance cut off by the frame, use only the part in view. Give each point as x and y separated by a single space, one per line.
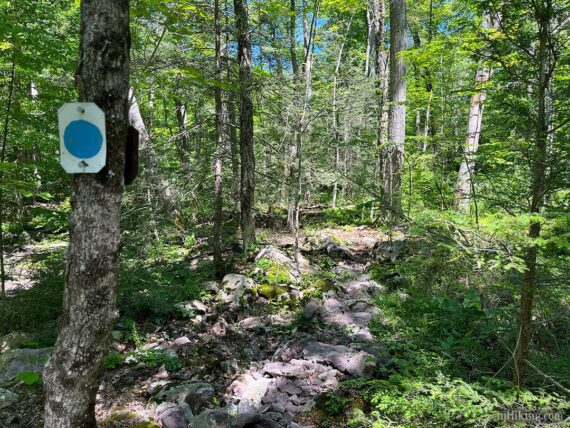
220 142
247 192
378 8
73 373
394 153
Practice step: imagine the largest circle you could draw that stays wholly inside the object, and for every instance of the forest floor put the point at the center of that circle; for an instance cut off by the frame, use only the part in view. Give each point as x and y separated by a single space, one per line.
257 349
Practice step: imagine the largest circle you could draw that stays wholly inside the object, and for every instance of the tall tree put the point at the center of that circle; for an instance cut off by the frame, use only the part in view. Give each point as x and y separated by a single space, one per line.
393 159
545 58
73 373
464 185
220 143
247 192
378 8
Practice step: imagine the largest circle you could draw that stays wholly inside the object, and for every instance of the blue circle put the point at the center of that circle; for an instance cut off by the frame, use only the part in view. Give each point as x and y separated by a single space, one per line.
82 139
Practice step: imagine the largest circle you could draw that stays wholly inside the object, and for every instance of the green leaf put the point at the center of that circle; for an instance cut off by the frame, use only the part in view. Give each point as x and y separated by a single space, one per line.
30 378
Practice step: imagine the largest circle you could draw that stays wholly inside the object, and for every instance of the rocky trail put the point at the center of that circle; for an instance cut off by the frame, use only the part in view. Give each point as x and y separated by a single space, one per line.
248 355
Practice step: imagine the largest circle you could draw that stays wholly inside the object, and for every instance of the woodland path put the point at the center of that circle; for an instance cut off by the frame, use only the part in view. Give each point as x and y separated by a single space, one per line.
242 359
260 364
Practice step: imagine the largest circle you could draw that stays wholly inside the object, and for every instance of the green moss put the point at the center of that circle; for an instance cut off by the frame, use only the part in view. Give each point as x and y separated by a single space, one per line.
322 285
271 291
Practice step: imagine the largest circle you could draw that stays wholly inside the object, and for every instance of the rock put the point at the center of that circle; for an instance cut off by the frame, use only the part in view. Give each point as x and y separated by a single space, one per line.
12 340
390 250
290 388
235 289
195 394
181 341
195 307
246 387
271 291
211 286
200 395
311 309
155 386
253 420
335 249
322 285
220 327
7 398
251 323
22 360
281 260
214 418
340 357
173 416
403 296
295 368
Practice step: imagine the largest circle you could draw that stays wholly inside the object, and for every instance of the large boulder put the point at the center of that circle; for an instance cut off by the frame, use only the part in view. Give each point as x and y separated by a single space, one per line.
390 250
335 249
22 360
253 419
355 363
12 341
196 394
7 398
214 418
236 289
286 263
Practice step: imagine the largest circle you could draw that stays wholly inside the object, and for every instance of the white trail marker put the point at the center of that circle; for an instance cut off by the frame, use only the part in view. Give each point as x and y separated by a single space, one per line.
83 142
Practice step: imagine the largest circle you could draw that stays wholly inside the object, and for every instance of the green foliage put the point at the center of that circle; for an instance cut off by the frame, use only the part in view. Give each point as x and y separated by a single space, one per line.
114 360
442 401
30 378
334 404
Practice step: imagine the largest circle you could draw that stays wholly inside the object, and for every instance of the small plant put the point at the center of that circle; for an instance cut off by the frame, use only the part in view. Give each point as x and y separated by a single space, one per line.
113 360
334 404
30 378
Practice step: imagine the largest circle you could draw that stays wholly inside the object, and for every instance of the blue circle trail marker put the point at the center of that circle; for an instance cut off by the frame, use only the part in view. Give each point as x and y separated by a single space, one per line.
83 143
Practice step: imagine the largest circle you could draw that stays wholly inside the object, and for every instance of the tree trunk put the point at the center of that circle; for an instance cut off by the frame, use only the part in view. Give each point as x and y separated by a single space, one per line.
464 185
394 153
247 192
160 189
335 117
308 67
74 371
544 15
2 159
182 140
463 188
220 142
293 149
378 14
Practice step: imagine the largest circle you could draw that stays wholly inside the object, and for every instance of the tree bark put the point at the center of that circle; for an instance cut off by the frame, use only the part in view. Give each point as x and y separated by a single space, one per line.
220 143
544 15
74 371
394 153
182 140
335 117
2 159
464 186
160 189
247 192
